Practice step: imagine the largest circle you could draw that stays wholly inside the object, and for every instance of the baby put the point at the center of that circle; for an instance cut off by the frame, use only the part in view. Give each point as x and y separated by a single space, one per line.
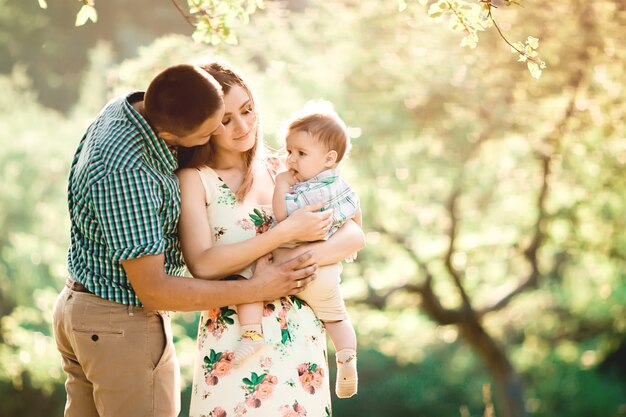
316 142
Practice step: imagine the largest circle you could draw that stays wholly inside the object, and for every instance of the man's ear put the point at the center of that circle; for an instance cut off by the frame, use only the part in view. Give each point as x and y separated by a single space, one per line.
168 137
330 159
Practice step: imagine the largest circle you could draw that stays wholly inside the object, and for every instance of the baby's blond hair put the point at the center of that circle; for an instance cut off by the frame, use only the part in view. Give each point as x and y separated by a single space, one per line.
320 120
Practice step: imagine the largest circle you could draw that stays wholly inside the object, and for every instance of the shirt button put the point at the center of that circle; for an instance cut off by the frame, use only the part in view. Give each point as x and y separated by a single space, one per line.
94 337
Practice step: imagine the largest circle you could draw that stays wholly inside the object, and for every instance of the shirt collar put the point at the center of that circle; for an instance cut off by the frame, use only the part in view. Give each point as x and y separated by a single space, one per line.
156 146
328 176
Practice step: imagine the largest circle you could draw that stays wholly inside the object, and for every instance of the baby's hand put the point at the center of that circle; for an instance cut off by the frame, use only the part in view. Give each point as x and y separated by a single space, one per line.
351 258
287 177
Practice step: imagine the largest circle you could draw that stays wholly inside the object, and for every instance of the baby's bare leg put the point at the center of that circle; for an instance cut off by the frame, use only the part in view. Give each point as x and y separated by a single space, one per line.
344 338
342 334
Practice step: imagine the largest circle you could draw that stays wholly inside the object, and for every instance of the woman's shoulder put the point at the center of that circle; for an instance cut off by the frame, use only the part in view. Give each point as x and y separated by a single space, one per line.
197 178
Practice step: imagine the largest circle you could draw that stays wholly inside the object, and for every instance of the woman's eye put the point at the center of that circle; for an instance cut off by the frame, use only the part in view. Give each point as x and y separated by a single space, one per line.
247 110
225 122
301 153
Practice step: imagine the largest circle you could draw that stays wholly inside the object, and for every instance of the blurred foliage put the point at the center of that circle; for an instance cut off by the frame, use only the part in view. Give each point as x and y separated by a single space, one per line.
430 120
54 52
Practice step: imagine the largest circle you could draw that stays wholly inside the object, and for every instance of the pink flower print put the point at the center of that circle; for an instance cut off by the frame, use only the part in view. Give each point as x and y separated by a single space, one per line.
258 387
261 220
253 402
216 365
282 319
305 380
263 391
295 410
221 368
311 376
211 379
265 362
265 388
275 164
217 412
268 309
318 379
284 302
241 409
270 379
213 314
245 224
299 409
288 412
217 320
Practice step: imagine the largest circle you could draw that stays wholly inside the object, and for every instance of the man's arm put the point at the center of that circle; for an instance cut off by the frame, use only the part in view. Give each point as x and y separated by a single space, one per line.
159 291
344 243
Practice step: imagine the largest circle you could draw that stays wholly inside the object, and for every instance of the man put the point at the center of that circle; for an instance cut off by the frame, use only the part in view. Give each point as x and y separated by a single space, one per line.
111 321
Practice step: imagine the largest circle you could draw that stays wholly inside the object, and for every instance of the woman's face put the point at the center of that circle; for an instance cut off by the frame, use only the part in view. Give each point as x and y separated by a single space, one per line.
240 123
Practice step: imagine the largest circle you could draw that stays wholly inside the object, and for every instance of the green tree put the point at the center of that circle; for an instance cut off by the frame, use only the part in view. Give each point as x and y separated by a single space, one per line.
468 172
493 202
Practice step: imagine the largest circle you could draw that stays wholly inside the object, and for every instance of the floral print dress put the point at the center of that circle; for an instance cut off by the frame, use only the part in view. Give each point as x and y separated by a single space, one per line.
289 376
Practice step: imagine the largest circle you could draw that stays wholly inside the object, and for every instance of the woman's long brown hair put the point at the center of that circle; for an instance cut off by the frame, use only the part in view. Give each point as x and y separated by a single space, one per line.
205 154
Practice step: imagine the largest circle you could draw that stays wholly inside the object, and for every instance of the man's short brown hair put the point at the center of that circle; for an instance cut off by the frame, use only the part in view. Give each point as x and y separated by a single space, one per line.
181 98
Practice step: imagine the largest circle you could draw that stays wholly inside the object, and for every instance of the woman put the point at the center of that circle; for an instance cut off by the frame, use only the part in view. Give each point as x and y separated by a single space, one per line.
226 196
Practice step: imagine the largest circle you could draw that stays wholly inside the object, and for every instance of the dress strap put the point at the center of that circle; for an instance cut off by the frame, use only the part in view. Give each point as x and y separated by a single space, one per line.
274 165
208 177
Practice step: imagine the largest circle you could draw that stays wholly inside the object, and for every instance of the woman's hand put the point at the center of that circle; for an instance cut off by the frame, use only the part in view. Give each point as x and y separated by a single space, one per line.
339 247
306 224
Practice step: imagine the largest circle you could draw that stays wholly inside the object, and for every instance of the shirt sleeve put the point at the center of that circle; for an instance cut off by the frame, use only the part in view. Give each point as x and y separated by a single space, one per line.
127 205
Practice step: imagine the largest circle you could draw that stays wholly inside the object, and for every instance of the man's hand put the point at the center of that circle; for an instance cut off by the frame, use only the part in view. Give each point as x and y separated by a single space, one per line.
275 280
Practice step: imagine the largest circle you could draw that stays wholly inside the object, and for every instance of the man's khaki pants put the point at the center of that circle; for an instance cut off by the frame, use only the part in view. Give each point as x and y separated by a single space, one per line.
120 361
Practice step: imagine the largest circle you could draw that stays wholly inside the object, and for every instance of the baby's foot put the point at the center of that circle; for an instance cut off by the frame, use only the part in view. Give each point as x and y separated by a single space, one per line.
347 379
251 342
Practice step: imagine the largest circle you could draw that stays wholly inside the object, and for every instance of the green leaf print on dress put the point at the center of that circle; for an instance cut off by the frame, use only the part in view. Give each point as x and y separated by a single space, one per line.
258 388
262 220
226 197
216 365
216 321
298 302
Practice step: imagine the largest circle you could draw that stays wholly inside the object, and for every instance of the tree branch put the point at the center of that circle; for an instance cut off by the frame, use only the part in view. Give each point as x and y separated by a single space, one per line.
452 234
530 253
187 18
430 301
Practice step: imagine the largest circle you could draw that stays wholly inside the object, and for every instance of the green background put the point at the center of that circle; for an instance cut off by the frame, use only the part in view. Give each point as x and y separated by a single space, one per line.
474 178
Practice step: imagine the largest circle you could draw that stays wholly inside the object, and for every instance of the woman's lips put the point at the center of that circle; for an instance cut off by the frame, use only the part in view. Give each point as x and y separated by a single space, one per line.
244 136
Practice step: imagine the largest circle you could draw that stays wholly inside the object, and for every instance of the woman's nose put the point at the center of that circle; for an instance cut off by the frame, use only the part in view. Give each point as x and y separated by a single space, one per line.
241 126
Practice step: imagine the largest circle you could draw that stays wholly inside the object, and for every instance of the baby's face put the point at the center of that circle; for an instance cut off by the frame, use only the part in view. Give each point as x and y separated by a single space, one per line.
306 156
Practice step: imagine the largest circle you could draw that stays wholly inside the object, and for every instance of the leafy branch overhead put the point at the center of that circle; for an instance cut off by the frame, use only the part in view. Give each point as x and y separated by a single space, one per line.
473 16
214 20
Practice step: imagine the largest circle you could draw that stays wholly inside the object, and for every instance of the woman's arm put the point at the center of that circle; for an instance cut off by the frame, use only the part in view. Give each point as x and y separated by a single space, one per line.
344 243
211 262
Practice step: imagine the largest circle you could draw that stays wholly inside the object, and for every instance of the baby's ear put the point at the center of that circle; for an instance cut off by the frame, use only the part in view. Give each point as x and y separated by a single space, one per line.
330 159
